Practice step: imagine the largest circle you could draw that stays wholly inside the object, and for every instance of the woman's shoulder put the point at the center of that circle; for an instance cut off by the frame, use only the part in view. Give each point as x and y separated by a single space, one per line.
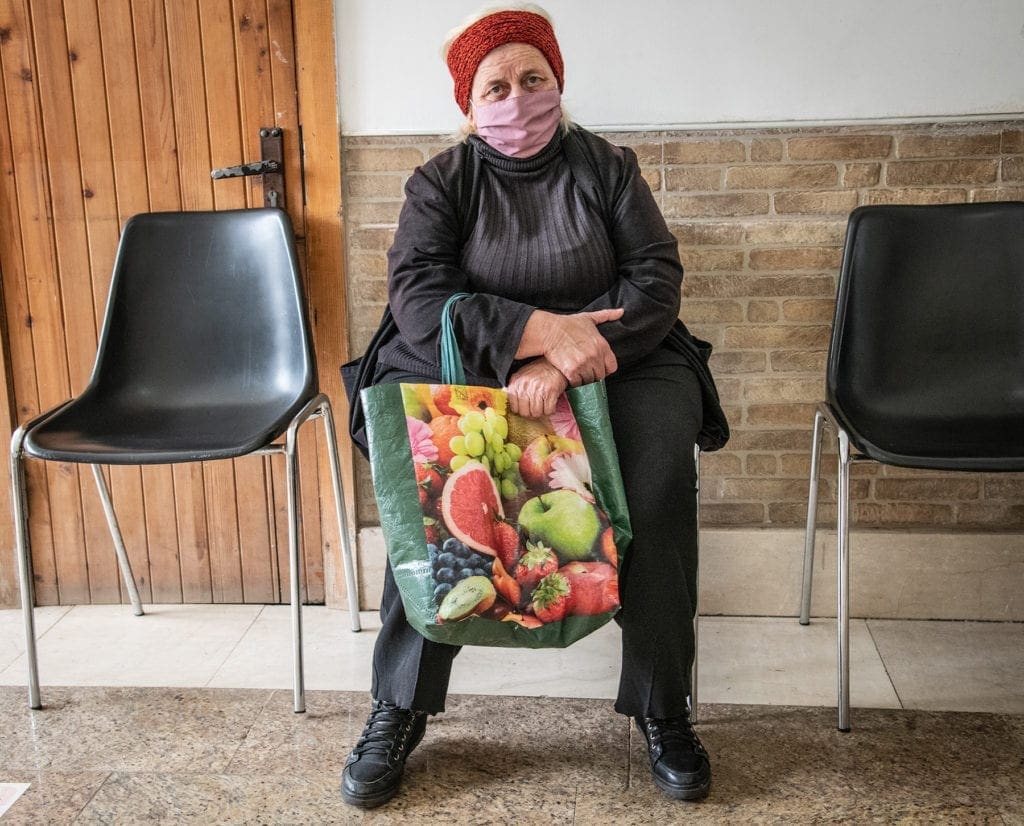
601 150
614 166
447 164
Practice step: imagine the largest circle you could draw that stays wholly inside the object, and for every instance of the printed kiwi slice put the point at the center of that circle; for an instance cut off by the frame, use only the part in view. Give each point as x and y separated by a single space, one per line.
473 594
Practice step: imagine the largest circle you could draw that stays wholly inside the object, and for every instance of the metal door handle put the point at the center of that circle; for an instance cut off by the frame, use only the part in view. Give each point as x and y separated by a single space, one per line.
245 169
271 167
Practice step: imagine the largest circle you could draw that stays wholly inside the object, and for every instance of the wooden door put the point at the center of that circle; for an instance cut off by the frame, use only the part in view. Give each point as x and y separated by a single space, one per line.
115 107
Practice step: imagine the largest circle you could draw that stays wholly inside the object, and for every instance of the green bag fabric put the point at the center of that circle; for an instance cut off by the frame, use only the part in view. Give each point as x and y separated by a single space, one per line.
531 560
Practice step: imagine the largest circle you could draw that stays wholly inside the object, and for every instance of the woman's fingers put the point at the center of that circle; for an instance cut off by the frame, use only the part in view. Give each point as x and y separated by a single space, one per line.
601 316
577 348
534 390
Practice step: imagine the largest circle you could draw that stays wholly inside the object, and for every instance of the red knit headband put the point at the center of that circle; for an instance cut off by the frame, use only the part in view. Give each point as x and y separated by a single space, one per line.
495 30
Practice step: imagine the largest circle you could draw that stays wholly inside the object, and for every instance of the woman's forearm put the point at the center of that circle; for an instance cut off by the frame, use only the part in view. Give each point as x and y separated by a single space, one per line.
572 343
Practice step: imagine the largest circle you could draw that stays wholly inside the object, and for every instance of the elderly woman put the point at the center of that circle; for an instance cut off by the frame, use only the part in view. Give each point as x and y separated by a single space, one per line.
573 277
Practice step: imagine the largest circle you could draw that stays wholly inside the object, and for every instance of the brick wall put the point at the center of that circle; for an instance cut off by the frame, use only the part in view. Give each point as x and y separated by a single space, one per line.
760 216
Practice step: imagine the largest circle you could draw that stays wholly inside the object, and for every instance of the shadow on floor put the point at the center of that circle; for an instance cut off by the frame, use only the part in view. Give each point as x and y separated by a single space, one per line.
119 755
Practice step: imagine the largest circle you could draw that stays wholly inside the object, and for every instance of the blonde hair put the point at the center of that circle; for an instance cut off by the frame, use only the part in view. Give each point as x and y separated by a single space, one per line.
467 128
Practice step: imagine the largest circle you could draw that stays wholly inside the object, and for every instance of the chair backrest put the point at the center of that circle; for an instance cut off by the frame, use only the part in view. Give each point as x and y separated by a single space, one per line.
927 351
206 309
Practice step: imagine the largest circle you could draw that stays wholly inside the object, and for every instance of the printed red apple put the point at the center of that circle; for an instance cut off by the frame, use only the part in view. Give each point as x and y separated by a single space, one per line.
538 456
593 587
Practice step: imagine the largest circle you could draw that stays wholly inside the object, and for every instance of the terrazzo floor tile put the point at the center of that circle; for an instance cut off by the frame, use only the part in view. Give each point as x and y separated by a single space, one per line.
172 645
217 756
500 739
126 729
12 630
528 740
175 798
282 799
966 666
53 797
778 661
1013 815
780 764
282 742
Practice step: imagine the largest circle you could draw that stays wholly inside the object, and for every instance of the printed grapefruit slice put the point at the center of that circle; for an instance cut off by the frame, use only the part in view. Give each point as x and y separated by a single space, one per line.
471 506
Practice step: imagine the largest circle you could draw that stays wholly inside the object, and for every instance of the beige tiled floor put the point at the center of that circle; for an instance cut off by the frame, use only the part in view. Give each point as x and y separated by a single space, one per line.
952 666
218 742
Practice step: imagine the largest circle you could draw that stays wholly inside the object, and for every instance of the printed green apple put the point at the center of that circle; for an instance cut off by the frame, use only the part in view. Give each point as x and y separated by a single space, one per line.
563 520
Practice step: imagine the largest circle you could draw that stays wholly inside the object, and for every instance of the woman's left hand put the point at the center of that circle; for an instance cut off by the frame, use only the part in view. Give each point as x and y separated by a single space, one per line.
533 390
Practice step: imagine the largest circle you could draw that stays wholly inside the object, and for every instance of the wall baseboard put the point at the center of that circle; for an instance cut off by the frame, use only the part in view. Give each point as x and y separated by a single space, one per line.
893 574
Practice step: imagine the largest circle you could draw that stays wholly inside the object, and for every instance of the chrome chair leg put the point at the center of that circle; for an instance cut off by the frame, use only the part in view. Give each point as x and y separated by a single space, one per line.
812 515
294 569
28 599
115 534
351 586
696 607
843 616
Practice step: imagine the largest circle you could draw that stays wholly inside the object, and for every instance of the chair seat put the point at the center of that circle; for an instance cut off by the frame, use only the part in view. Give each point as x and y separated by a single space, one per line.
985 439
111 432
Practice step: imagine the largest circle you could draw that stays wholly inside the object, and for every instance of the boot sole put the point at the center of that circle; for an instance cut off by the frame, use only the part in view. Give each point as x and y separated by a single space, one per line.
696 792
370 801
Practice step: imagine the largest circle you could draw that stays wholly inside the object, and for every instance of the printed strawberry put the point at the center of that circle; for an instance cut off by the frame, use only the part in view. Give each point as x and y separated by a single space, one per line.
434 510
429 483
432 528
506 541
551 598
538 561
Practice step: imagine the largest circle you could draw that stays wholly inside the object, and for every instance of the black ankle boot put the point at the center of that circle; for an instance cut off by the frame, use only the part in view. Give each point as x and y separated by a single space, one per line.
679 762
373 771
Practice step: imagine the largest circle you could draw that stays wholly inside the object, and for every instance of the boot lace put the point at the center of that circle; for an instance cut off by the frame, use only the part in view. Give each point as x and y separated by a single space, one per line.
667 733
387 730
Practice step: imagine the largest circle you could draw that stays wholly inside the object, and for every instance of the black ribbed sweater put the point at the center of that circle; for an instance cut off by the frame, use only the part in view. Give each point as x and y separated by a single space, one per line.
520 235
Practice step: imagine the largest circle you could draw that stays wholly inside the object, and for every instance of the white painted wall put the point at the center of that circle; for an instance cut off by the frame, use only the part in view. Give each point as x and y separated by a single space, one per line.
678 63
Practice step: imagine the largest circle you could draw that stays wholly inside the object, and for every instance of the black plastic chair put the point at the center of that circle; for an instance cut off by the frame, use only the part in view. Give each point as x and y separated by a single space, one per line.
926 363
205 353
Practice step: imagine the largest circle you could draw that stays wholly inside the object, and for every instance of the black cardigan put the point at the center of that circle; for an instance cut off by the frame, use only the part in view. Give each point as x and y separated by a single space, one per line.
441 204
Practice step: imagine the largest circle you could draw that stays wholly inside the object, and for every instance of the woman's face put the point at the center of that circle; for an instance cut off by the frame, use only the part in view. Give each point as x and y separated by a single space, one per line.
509 71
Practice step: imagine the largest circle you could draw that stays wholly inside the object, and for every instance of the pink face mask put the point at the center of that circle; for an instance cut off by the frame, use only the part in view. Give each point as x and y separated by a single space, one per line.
521 126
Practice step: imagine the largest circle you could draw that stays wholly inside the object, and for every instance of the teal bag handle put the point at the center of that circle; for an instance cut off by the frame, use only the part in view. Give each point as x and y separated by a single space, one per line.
452 371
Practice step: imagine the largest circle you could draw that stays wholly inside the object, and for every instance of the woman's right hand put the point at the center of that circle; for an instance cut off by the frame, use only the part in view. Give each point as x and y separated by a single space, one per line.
571 343
533 390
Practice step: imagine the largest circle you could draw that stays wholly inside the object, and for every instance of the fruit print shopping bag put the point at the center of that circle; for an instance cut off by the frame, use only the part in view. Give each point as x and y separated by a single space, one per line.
501 530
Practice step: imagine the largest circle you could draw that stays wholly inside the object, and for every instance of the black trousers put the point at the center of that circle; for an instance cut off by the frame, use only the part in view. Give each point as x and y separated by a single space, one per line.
655 410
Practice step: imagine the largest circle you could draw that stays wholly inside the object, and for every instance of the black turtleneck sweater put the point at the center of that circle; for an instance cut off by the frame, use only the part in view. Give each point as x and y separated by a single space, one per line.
519 235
